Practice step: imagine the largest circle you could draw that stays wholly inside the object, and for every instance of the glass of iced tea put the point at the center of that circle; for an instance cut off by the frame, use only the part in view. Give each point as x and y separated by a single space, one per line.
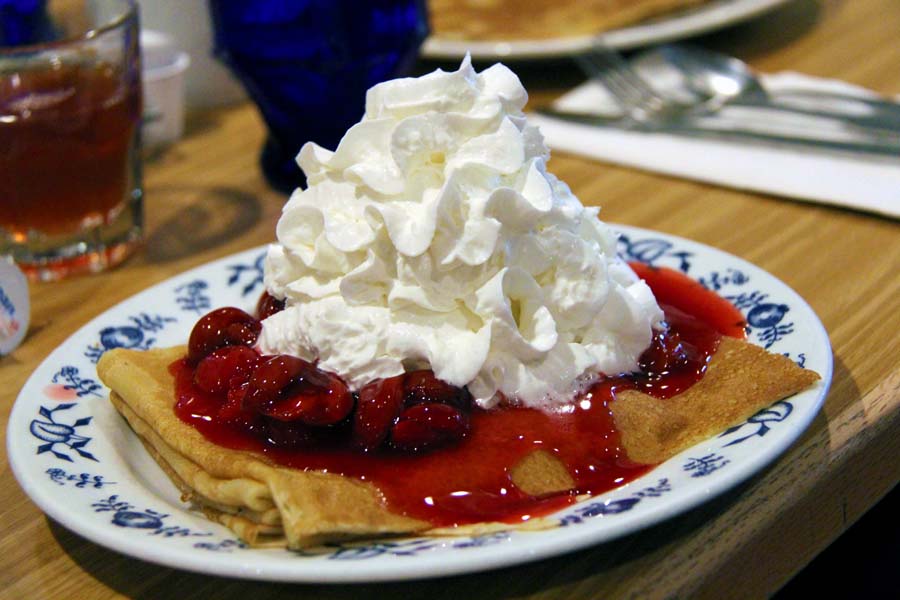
70 105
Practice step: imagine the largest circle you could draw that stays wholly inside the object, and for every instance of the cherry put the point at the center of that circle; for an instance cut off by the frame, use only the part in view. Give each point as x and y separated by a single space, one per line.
268 305
427 426
273 375
321 403
225 368
288 388
226 326
378 406
423 386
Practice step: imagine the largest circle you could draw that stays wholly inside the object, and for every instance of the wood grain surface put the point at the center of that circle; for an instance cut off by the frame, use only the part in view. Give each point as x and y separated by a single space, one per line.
206 198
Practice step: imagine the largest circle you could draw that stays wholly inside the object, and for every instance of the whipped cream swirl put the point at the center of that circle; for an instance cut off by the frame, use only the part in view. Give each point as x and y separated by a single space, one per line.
434 237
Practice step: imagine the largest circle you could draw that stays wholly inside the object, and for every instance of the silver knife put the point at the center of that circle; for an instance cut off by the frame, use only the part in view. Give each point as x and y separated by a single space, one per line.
855 113
861 109
879 141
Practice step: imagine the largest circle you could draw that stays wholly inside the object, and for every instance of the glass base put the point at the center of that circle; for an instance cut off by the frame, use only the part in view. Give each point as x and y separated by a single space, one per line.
280 167
45 257
94 261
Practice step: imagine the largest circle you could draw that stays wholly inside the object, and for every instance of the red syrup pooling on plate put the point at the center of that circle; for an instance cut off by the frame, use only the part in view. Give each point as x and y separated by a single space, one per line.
469 481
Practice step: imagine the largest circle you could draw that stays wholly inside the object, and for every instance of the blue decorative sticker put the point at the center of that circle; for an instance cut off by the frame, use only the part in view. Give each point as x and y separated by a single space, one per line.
613 507
125 515
70 379
704 465
252 272
80 480
60 434
133 336
776 413
193 296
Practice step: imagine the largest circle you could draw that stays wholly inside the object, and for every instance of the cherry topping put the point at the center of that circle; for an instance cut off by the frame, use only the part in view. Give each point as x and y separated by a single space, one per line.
225 368
234 411
288 388
315 403
428 425
379 404
423 386
268 305
665 353
227 326
290 434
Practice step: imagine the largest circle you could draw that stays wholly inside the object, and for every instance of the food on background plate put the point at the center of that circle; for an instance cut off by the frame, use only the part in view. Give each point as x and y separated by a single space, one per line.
447 343
498 20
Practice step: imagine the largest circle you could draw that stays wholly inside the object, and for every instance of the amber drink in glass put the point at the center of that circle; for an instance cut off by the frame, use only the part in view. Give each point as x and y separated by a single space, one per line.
70 188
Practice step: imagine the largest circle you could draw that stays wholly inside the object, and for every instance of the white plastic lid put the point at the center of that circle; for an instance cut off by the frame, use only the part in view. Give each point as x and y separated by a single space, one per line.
15 308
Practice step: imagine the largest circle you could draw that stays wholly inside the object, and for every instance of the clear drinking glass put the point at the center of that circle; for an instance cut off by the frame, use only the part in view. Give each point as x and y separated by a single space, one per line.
70 105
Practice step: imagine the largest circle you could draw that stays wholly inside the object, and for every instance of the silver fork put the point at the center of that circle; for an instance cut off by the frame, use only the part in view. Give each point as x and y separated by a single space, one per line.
640 103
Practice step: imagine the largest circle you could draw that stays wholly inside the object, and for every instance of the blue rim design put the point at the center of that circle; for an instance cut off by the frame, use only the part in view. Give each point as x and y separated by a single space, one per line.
125 515
252 272
70 379
56 434
615 507
704 465
80 480
132 336
776 413
192 296
402 548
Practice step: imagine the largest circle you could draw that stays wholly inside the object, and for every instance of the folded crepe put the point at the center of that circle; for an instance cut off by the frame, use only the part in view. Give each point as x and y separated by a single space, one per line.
266 504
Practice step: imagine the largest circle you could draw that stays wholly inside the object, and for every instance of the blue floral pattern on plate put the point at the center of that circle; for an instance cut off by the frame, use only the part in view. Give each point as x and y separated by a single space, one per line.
79 480
70 379
133 335
51 433
55 434
125 515
193 296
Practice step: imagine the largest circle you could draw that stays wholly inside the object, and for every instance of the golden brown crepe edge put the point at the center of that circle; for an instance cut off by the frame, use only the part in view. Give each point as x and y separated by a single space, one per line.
740 380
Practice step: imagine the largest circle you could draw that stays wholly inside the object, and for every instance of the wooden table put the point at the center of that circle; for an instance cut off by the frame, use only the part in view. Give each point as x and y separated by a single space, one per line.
206 198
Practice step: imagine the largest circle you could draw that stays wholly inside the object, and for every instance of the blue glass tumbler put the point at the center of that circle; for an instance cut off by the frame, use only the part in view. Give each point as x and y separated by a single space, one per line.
308 63
25 22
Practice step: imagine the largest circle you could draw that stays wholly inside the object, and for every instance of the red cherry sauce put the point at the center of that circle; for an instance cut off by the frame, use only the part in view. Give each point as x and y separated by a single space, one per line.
469 481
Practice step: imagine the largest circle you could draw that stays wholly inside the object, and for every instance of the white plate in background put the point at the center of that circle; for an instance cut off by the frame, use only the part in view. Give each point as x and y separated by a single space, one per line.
705 18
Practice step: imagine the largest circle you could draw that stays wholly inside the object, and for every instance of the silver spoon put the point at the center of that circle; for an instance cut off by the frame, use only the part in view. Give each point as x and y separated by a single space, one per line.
714 80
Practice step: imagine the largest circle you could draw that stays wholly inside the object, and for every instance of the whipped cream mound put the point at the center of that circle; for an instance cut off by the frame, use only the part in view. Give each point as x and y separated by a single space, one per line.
434 237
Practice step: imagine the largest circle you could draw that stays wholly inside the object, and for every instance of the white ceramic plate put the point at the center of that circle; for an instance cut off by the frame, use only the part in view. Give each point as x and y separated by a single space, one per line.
80 463
709 17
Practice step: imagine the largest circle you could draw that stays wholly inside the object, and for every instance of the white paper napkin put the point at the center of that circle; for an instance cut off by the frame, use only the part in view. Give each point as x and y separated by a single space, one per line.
863 182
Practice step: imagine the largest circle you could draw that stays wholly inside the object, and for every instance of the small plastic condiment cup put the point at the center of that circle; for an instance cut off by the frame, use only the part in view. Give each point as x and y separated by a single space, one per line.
163 72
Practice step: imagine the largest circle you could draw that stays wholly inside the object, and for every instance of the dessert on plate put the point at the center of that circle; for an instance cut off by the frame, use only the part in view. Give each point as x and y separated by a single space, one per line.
448 342
494 20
